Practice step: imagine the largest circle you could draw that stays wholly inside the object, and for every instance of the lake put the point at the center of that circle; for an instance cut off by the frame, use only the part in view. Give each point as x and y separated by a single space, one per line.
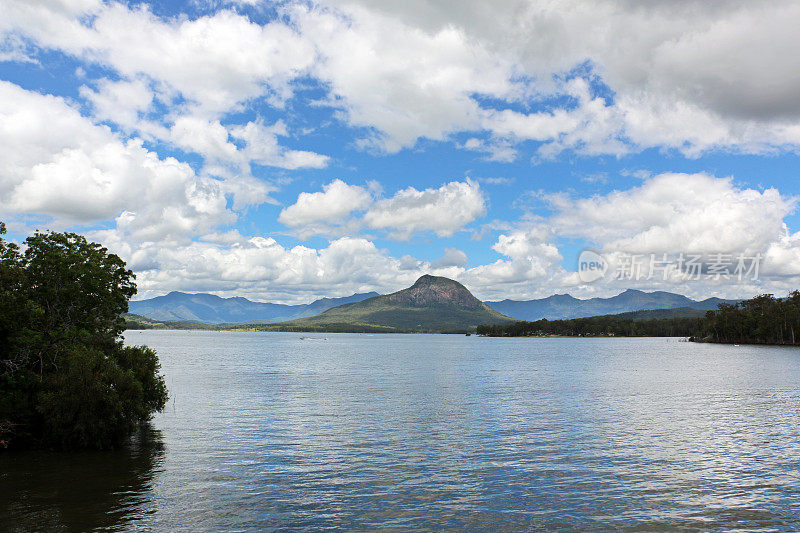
283 431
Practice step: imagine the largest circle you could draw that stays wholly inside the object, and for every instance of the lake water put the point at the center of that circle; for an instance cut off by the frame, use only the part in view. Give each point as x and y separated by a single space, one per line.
282 431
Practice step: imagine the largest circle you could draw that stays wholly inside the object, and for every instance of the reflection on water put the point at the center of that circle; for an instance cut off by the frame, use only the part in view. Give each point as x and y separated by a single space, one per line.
431 432
49 491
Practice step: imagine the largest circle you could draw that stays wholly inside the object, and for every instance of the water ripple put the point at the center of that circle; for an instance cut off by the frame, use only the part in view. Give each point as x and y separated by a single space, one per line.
439 433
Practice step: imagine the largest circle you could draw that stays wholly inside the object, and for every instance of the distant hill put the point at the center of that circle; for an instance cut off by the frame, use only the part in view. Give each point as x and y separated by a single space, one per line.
563 306
432 305
660 314
211 309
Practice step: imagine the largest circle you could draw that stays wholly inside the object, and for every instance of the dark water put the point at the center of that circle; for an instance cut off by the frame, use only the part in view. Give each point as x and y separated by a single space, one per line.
426 432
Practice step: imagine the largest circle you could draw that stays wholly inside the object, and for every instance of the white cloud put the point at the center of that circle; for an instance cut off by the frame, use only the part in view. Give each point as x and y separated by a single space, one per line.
216 62
263 269
782 258
673 213
333 205
524 243
693 214
55 162
668 213
55 24
262 147
403 82
199 69
337 210
590 127
123 102
14 49
715 75
443 211
530 269
452 257
205 137
495 150
230 150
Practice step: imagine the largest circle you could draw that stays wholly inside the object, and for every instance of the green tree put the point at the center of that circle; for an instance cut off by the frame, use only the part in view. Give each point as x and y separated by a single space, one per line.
66 379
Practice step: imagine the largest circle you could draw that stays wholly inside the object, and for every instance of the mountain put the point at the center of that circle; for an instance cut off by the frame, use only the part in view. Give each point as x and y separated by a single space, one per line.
432 304
562 306
211 309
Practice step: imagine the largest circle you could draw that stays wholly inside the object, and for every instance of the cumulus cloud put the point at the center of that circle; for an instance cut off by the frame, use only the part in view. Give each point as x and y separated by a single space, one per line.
230 150
713 75
262 147
402 82
672 213
495 149
530 269
350 208
55 162
443 210
452 257
214 62
123 102
710 75
261 268
331 206
199 70
691 214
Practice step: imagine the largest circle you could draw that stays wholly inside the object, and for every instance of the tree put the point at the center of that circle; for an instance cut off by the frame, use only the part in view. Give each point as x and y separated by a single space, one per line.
66 379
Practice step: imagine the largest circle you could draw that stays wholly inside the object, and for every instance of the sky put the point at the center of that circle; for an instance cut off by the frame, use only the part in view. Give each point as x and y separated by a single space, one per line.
286 151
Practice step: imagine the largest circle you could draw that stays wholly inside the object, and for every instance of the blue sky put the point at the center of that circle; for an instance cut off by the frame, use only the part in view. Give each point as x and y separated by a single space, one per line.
292 150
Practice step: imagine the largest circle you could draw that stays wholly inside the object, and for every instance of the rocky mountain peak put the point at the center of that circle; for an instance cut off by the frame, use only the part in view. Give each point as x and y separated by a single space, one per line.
435 290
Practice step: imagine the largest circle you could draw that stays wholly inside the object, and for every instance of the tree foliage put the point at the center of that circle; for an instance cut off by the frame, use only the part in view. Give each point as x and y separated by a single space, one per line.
760 320
597 326
66 379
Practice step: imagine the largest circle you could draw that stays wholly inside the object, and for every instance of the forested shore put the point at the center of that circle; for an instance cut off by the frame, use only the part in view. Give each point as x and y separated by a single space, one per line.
67 380
760 320
764 319
597 326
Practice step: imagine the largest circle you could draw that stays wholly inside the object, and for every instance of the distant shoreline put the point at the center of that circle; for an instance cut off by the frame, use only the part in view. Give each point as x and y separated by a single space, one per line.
461 333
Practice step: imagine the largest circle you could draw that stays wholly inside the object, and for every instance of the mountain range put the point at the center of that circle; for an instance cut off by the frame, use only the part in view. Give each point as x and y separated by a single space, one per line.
211 309
562 306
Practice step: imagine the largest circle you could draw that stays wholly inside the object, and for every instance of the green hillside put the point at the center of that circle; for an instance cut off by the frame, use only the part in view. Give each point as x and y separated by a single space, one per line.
649 314
431 305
